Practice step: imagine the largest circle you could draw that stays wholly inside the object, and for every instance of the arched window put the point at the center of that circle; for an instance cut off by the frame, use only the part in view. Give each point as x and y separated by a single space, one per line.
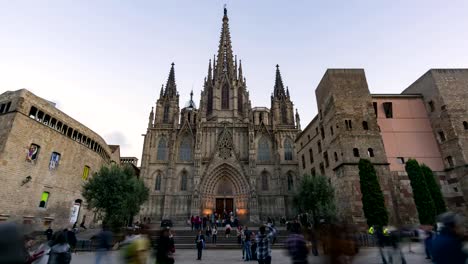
336 156
166 114
265 181
157 184
240 100
225 97
162 149
465 125
356 152
183 181
288 149
185 149
365 126
263 149
370 152
290 182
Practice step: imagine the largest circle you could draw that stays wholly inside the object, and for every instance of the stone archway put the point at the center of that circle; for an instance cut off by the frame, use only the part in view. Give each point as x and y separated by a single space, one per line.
224 183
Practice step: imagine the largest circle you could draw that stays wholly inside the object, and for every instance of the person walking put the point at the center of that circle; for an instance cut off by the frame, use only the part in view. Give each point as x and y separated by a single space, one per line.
71 238
447 247
228 230
60 252
49 232
192 220
297 245
428 243
264 241
247 244
208 232
104 239
165 248
200 241
214 234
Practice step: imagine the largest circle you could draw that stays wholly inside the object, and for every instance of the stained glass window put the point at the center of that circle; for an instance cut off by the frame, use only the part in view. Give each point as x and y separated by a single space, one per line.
185 149
183 181
288 149
263 149
157 184
162 149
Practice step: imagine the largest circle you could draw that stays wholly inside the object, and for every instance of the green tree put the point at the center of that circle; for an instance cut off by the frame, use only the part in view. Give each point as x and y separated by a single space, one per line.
421 194
116 193
373 201
316 197
434 189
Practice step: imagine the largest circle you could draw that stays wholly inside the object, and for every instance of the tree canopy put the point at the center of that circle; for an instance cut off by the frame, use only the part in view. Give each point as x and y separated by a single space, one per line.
116 193
434 189
316 197
421 194
373 201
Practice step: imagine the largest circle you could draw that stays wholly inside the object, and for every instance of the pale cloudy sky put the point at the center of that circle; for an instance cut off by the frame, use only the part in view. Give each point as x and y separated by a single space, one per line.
104 61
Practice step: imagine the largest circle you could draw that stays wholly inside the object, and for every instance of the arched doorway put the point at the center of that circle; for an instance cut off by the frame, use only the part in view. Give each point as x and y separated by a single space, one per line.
225 189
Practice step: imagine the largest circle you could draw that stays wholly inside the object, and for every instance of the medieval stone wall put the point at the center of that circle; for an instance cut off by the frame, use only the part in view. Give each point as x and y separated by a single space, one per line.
20 195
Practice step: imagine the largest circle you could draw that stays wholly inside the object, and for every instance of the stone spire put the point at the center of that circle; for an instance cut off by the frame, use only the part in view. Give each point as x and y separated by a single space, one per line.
161 94
240 71
225 62
278 91
298 120
151 118
210 72
287 92
171 88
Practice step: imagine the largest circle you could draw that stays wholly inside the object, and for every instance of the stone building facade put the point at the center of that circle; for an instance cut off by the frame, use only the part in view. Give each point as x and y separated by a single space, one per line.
225 155
45 156
388 130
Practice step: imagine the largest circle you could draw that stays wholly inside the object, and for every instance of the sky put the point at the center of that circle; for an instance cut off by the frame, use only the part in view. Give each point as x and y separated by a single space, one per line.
103 62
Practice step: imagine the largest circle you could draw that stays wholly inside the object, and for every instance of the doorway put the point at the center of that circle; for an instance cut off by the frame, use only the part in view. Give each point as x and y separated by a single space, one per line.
224 204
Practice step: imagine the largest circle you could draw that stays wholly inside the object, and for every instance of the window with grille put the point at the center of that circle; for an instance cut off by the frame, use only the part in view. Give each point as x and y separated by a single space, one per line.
388 108
85 174
311 156
365 125
370 152
44 200
356 152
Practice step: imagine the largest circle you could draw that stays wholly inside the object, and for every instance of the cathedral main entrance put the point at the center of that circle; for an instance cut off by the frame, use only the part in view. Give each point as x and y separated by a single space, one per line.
225 190
224 205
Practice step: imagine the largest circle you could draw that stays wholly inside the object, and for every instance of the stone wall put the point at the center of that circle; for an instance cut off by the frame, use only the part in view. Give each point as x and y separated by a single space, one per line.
20 197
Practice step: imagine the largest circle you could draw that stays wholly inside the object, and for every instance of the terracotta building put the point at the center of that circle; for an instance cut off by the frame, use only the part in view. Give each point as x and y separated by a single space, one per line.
45 157
426 122
224 155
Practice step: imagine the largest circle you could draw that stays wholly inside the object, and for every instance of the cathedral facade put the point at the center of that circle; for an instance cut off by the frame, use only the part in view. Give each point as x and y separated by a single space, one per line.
224 155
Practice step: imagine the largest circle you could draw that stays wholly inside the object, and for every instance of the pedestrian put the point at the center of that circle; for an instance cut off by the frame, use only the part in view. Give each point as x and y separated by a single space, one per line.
239 235
60 252
447 247
264 241
428 244
71 238
208 232
247 244
135 249
49 232
253 246
214 233
32 256
228 230
200 242
165 248
204 220
192 220
104 244
297 245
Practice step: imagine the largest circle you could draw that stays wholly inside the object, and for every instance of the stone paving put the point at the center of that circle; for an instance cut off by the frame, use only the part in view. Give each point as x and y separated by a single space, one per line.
186 256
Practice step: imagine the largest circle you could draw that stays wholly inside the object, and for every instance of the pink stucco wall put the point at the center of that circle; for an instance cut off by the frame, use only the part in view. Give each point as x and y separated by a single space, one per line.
408 134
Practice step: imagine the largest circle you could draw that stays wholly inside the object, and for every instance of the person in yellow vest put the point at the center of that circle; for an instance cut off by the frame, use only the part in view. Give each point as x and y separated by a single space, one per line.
135 249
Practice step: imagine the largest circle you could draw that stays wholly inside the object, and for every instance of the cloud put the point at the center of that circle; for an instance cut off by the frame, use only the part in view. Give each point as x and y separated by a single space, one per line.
116 138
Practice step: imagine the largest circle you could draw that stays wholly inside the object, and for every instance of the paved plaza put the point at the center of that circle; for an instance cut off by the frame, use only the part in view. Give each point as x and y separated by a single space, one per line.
186 256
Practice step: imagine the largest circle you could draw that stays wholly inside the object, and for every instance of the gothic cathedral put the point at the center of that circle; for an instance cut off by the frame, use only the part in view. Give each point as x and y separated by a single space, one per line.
224 155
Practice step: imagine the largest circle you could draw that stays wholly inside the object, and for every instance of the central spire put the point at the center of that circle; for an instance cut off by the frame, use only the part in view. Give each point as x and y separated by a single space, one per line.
279 87
225 61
